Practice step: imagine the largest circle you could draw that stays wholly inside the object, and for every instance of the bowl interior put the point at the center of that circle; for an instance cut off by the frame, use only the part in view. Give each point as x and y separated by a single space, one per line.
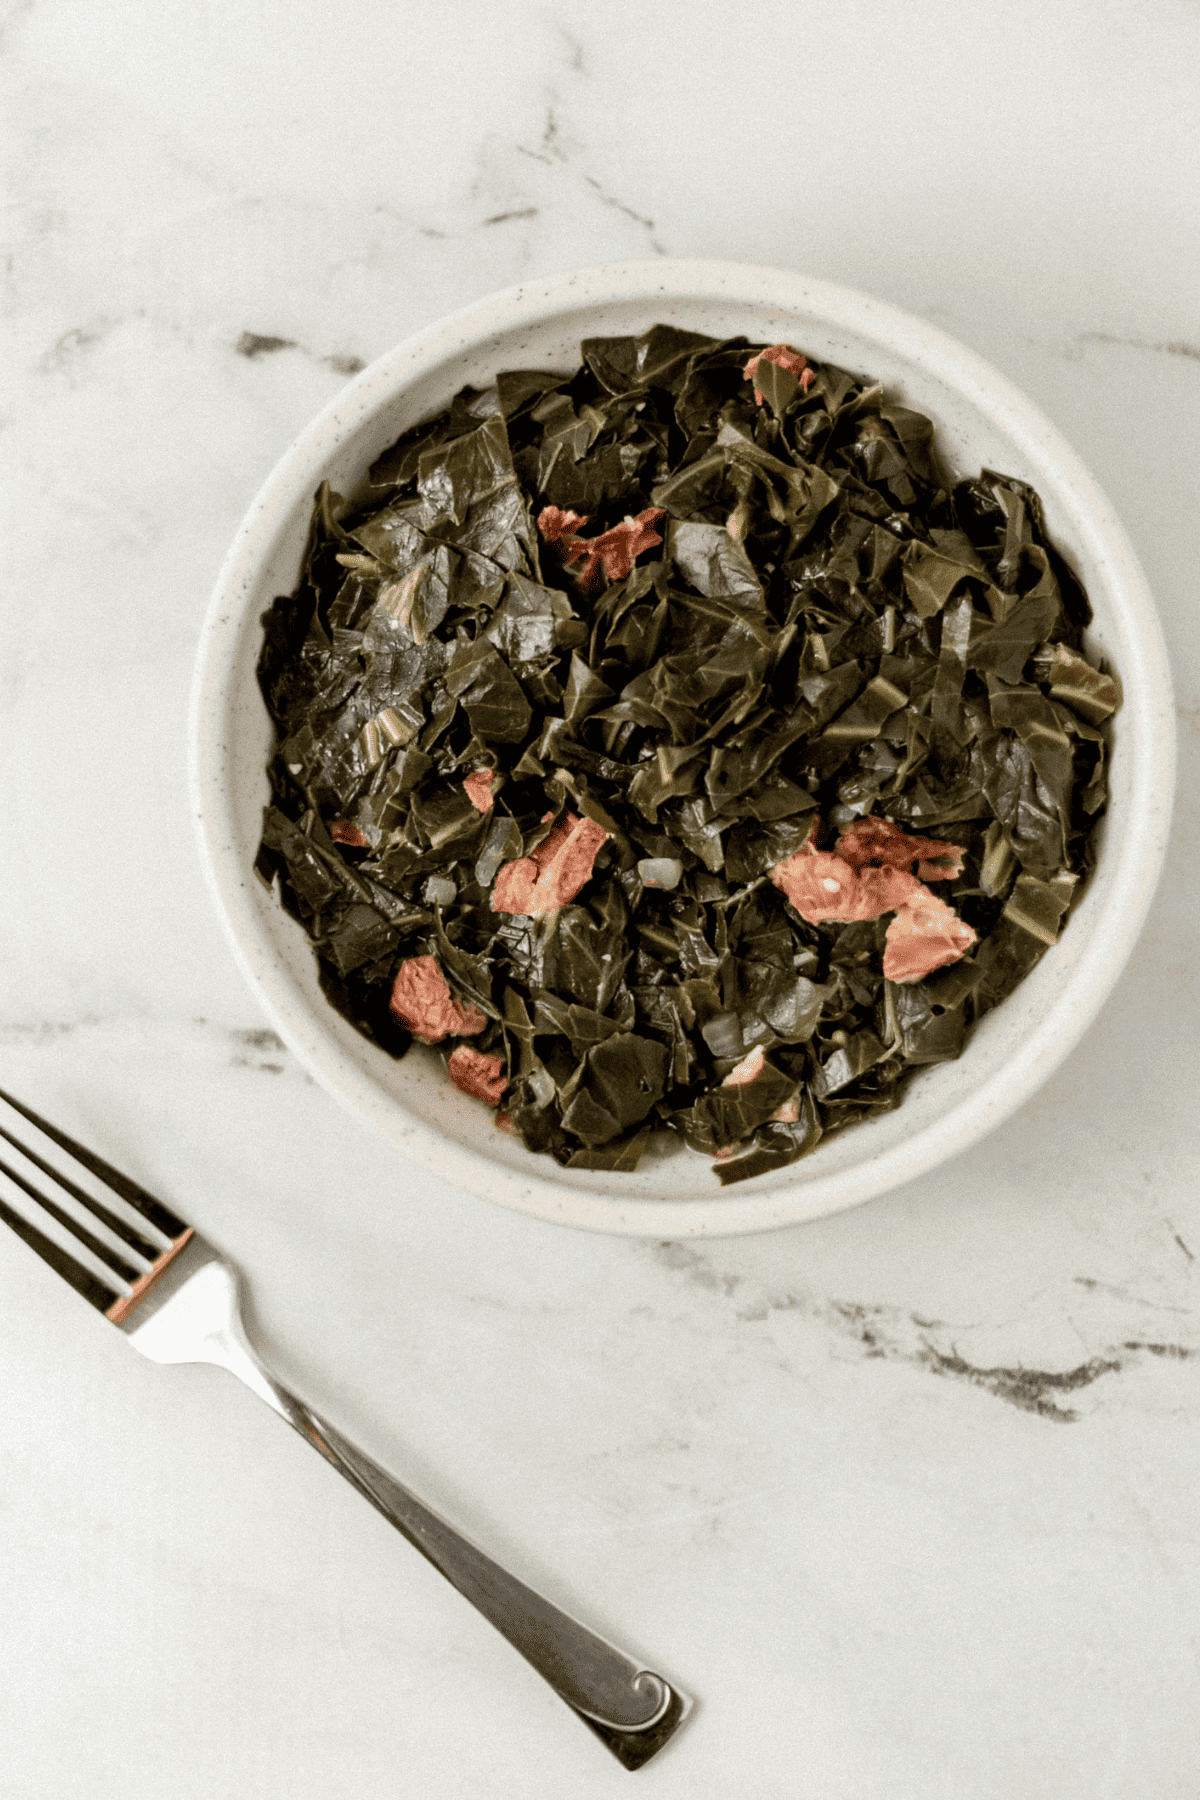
981 421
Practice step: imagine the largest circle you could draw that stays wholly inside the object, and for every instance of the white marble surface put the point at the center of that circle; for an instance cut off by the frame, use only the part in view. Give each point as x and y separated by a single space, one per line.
907 1497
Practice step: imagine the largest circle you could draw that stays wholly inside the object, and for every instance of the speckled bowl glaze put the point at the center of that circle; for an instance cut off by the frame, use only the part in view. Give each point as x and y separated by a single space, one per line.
981 420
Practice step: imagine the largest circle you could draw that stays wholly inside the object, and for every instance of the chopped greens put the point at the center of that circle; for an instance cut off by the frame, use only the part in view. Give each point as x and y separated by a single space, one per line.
613 724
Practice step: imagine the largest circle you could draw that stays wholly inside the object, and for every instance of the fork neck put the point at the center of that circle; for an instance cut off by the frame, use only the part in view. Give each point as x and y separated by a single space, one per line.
193 1315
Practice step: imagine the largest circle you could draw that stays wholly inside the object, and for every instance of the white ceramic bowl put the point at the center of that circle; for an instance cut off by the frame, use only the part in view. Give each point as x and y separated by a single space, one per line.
981 420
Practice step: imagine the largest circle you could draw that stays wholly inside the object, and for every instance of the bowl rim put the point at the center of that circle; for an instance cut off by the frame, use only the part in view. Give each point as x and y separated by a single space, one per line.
1150 748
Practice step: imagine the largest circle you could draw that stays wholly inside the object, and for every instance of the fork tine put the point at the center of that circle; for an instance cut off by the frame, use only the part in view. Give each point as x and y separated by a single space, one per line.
81 1279
125 1232
158 1215
107 1256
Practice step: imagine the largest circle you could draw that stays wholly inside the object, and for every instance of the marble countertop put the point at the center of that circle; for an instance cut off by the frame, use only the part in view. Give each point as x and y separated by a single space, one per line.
906 1497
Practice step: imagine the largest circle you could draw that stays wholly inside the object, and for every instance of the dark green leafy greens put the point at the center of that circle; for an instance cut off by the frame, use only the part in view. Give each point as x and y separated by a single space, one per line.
815 625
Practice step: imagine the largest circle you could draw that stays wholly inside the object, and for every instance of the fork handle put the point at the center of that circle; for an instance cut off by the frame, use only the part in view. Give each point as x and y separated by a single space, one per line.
631 1709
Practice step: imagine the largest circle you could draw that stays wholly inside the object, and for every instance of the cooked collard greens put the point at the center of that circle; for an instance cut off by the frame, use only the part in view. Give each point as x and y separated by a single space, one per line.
677 744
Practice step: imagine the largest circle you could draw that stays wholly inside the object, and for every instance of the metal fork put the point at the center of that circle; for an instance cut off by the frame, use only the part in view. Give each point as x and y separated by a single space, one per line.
176 1300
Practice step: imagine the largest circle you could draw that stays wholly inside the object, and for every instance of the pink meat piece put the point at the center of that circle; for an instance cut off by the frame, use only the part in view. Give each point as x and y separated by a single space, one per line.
879 841
554 523
617 549
886 890
818 884
784 357
748 1070
422 1001
788 1113
479 789
477 1073
924 935
553 873
824 887
343 831
866 877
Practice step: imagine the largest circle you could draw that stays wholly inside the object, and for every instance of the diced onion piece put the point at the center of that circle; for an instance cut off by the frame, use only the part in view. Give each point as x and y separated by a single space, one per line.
660 871
439 890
